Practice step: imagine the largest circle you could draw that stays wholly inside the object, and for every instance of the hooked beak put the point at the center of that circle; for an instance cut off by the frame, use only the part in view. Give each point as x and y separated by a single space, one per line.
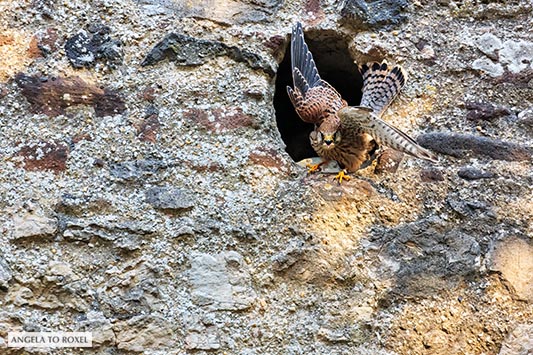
328 139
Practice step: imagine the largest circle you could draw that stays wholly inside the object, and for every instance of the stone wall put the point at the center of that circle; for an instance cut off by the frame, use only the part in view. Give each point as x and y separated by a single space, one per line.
146 194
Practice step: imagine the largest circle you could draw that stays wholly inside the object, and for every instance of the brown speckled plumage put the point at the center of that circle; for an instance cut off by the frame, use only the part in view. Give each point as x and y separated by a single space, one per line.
347 134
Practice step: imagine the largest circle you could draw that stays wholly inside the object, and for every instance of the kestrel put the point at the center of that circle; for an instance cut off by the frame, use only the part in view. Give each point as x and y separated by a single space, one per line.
343 133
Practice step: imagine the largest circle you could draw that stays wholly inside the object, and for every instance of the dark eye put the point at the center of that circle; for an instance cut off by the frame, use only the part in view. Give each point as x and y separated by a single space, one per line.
337 136
320 136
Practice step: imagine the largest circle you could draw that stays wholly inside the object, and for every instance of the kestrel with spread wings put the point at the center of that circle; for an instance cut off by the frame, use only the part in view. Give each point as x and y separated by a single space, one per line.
344 133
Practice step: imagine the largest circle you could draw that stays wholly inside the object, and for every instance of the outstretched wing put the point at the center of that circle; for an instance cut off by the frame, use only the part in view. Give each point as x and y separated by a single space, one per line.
364 119
381 85
312 97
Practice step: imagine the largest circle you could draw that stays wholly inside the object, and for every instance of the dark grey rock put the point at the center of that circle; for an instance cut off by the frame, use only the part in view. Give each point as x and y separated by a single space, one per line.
170 199
137 169
461 145
374 13
190 51
469 208
85 48
428 254
469 173
5 274
485 111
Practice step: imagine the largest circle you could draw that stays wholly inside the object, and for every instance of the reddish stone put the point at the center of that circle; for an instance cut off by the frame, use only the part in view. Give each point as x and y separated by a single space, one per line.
202 168
220 119
207 166
275 44
6 39
53 96
314 7
43 43
520 79
147 130
81 137
485 111
33 48
44 156
388 161
3 91
431 175
268 157
233 119
148 94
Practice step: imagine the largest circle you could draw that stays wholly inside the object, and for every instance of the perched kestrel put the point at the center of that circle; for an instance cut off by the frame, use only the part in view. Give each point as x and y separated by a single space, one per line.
343 133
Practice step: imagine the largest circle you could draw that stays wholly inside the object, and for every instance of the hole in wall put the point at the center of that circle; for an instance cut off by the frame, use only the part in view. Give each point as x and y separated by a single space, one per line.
335 65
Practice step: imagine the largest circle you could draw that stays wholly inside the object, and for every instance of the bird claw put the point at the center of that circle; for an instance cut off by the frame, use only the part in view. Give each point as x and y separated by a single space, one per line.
311 168
342 176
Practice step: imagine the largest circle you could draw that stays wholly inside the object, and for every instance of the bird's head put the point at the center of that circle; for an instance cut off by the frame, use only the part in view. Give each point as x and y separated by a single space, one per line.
326 135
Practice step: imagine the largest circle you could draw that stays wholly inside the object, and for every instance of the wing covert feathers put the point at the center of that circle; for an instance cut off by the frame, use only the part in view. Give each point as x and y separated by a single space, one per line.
382 132
381 85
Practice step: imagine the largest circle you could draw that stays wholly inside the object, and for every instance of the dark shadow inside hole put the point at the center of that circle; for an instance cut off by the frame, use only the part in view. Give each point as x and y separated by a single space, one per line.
330 52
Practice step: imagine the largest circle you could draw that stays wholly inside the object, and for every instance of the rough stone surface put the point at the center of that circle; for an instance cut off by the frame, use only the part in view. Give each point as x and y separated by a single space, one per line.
137 170
125 234
519 341
221 282
517 55
31 221
5 274
270 259
203 339
525 120
488 66
514 259
489 44
143 333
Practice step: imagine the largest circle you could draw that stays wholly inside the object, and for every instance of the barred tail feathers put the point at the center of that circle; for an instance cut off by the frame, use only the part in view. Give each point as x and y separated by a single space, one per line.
381 85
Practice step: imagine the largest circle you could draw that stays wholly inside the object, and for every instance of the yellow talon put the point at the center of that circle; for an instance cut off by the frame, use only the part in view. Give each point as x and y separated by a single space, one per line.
311 168
342 175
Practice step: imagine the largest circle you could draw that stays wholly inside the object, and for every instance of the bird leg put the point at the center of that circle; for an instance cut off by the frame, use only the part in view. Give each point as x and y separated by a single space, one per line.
311 168
342 175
